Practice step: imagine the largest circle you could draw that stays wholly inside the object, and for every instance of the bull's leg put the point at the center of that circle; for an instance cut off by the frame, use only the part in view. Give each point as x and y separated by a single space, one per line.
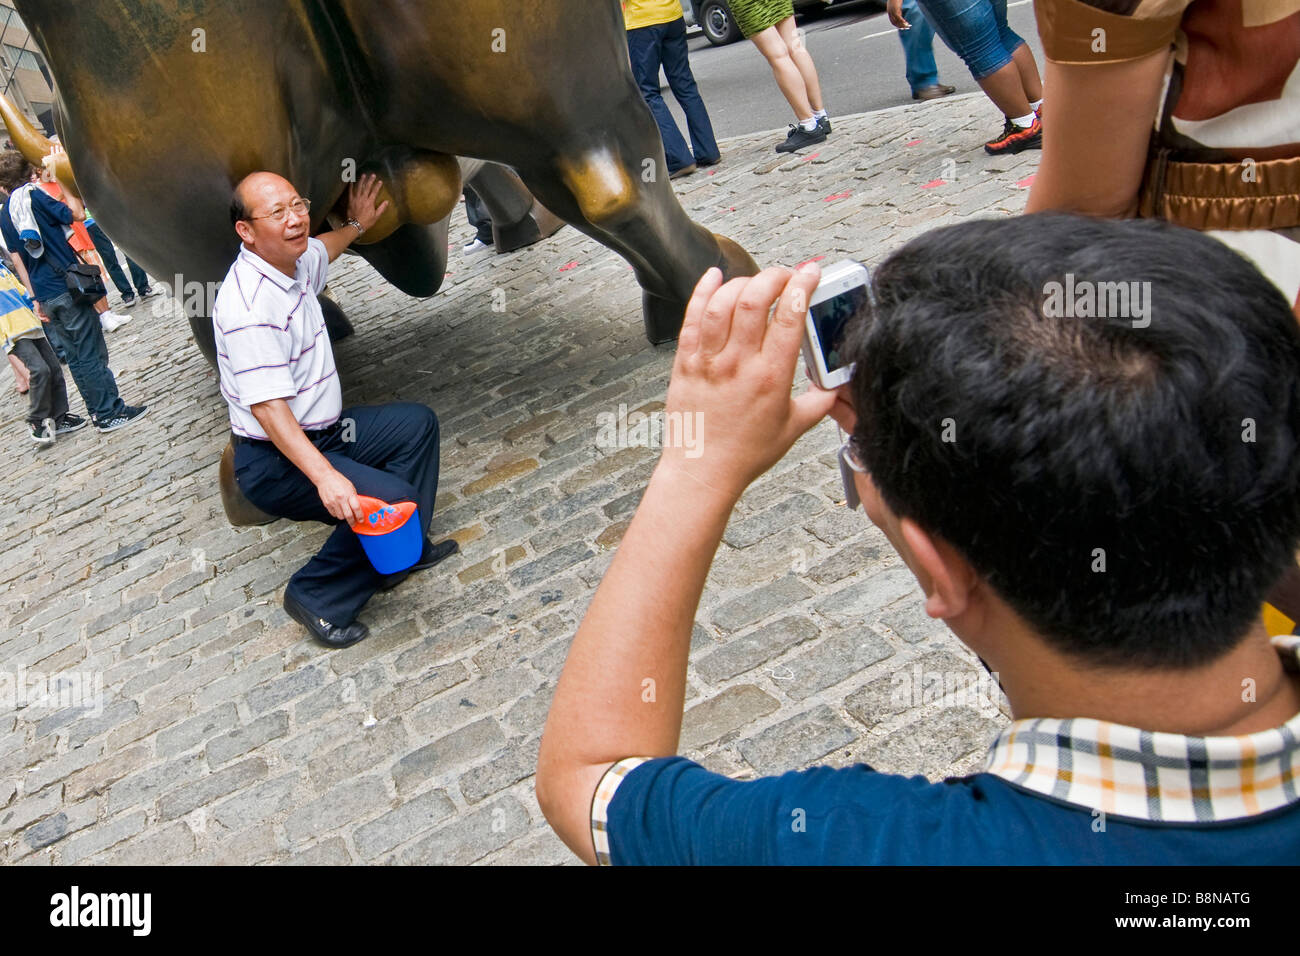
336 321
518 219
618 192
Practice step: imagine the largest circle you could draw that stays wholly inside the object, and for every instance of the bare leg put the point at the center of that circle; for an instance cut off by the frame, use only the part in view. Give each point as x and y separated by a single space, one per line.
803 60
1023 57
1005 90
21 374
773 47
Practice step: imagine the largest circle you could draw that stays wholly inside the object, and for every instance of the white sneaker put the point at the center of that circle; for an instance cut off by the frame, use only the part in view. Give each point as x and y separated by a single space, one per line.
111 321
475 247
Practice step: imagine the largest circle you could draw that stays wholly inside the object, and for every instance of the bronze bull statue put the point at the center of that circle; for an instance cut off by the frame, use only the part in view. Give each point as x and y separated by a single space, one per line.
163 105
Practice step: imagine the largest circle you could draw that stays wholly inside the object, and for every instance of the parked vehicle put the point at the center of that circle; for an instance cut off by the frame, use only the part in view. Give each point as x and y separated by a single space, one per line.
714 17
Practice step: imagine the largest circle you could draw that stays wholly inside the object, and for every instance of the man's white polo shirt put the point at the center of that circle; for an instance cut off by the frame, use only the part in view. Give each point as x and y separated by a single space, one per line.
271 341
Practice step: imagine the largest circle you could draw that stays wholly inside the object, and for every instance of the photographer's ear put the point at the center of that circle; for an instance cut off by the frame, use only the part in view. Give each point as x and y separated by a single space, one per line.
944 575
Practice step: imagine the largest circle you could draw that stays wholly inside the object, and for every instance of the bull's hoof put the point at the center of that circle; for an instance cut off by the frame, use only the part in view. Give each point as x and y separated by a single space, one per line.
663 317
239 510
336 320
733 260
539 223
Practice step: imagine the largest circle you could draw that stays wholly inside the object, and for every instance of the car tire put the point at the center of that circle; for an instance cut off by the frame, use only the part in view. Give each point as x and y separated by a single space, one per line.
717 22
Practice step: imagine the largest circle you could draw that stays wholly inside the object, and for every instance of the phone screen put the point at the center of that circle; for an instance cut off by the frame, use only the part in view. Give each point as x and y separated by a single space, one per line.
830 318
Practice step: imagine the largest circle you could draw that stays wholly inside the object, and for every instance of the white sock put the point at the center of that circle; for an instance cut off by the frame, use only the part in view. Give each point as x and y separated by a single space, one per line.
1024 122
809 124
821 114
1035 104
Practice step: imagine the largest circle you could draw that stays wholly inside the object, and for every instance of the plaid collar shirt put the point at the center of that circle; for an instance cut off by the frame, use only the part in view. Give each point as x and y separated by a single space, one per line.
1120 771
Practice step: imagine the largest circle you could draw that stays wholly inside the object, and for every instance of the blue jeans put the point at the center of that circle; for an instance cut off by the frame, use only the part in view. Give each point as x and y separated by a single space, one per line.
107 252
976 30
918 48
666 44
79 332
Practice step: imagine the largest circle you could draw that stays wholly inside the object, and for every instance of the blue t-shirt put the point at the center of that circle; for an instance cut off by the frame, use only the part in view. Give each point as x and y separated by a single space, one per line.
672 811
51 216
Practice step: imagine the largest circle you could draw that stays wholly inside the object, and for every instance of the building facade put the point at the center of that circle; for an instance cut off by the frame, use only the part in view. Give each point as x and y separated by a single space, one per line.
24 75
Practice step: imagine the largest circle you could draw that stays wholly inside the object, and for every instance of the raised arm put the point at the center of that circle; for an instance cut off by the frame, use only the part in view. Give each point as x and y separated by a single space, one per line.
1095 138
624 683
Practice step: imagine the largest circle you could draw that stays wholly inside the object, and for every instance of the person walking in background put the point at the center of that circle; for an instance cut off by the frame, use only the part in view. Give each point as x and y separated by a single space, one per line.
477 213
918 50
769 25
39 240
26 345
997 57
84 246
108 254
656 36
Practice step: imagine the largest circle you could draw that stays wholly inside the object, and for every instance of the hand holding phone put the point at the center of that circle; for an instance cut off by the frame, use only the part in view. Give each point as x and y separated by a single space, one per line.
843 294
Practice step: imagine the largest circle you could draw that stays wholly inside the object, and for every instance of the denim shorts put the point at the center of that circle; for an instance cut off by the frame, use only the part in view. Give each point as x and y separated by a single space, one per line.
976 30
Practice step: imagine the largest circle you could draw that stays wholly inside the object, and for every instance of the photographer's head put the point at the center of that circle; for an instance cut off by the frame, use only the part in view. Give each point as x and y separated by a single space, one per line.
1129 492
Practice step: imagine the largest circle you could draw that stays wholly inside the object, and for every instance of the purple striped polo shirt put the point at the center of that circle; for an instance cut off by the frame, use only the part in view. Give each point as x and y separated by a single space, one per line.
271 341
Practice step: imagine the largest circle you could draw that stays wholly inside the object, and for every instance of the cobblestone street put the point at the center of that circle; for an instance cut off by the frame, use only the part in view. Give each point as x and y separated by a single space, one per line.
227 736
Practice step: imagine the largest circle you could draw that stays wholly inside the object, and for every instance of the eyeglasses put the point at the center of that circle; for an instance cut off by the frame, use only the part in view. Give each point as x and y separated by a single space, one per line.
850 462
280 213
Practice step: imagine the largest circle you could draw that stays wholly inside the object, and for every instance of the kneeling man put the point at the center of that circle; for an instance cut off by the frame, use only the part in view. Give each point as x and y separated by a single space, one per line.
298 453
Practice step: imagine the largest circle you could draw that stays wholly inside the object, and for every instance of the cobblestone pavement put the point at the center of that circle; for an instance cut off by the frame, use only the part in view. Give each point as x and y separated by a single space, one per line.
224 735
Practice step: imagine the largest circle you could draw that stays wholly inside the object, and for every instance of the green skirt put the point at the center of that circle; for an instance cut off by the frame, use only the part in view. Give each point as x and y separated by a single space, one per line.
755 16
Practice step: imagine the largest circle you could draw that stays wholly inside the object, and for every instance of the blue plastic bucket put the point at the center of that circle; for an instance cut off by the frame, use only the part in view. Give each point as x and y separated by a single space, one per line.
390 534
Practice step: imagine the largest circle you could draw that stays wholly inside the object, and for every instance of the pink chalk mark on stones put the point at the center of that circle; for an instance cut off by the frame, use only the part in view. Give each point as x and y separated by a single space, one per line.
912 143
805 159
806 261
837 196
1026 182
566 268
932 183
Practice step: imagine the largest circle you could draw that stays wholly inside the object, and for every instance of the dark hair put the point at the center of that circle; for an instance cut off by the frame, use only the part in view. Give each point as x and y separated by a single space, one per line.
15 170
1131 492
238 211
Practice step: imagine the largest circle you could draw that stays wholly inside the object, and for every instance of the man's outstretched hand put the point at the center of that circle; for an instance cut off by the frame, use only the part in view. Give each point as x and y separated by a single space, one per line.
733 375
363 204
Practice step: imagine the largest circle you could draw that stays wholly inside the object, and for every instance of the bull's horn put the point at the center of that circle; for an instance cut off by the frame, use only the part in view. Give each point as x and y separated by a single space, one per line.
33 145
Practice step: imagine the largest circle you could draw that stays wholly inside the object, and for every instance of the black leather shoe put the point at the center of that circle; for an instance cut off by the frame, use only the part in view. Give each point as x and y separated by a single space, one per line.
331 635
433 553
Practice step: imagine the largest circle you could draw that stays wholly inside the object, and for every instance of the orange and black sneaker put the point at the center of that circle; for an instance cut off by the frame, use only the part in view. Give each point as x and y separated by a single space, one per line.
1016 138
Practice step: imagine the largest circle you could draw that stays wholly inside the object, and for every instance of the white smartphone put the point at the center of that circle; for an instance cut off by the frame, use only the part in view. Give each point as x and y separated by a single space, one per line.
844 292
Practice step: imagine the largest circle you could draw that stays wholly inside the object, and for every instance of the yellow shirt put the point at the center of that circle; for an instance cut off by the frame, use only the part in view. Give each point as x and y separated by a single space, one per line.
650 13
16 320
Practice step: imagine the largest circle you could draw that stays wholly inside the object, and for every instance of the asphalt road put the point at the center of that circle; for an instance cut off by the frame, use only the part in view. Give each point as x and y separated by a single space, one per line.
859 61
